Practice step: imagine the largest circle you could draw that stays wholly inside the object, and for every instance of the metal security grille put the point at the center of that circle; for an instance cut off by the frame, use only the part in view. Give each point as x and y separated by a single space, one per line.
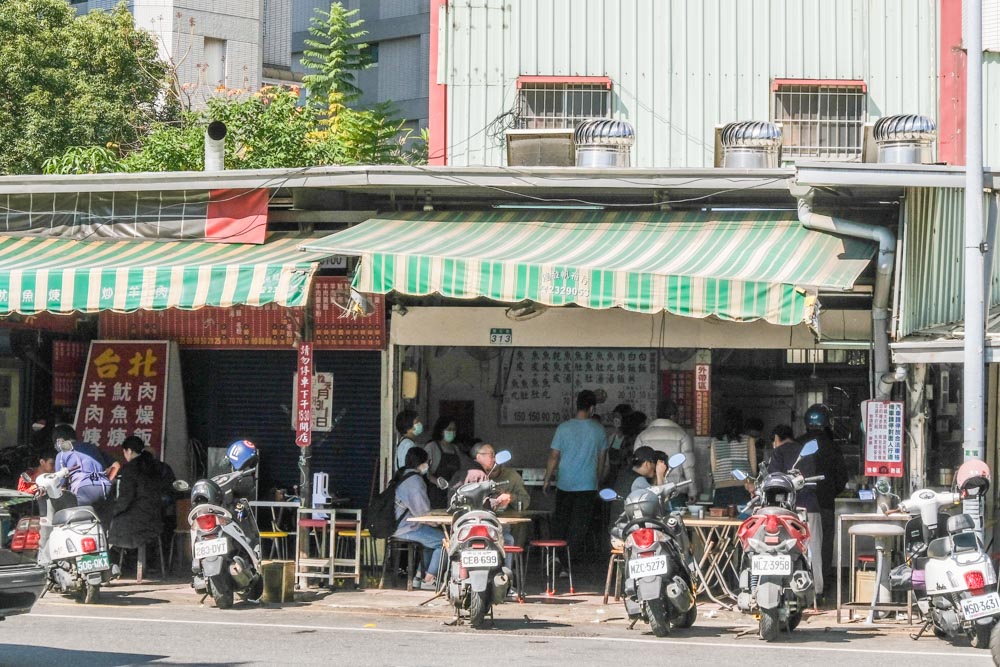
821 120
562 105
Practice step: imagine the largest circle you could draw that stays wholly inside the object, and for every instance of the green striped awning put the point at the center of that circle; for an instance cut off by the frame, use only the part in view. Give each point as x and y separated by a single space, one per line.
734 265
63 275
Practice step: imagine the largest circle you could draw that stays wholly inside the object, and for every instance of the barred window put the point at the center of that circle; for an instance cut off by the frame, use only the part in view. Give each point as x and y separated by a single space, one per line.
545 105
821 119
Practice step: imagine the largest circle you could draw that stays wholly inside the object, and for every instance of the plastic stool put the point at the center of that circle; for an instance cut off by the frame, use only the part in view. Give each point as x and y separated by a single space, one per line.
316 527
393 546
549 547
140 559
344 540
517 560
616 564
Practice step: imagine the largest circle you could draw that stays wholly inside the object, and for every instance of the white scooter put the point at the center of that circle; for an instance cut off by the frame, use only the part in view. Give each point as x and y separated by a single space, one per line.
75 554
948 570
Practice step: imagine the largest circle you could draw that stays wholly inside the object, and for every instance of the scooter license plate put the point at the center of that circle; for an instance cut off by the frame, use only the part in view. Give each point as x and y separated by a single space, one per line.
209 548
647 567
480 558
93 563
765 564
981 605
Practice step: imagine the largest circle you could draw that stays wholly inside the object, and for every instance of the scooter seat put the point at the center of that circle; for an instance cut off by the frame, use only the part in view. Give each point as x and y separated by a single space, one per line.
74 515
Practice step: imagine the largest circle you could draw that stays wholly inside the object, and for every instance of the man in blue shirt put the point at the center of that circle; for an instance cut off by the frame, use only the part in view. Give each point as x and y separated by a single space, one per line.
88 481
579 451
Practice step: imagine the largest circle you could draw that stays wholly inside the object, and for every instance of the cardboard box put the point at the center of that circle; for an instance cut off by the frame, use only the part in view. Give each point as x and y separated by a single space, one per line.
864 585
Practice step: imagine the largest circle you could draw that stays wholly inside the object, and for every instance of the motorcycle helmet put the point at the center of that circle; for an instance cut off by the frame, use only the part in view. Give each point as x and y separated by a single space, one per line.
973 478
778 490
817 416
206 491
242 454
643 504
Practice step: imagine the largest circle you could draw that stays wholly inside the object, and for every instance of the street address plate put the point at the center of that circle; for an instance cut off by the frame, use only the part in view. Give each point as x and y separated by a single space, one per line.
501 336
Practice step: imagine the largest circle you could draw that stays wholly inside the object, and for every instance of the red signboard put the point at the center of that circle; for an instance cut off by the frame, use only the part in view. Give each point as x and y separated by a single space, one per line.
124 393
702 399
68 358
239 327
883 438
334 328
304 396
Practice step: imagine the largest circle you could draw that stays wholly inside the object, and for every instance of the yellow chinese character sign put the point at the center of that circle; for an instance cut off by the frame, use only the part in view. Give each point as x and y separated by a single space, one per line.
123 394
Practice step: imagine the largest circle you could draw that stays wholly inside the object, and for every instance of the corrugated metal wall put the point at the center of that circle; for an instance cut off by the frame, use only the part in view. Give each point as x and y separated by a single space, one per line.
679 67
933 288
235 394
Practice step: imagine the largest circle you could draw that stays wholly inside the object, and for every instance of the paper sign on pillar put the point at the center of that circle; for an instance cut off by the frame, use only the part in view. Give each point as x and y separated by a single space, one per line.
134 388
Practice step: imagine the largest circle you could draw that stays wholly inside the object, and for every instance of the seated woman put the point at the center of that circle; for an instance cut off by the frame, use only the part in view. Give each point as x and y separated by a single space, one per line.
412 500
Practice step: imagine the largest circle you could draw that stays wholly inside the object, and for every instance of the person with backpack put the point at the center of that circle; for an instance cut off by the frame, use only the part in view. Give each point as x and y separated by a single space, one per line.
412 500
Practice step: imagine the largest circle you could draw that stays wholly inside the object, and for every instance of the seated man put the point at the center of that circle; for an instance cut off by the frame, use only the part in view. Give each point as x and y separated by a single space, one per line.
137 515
647 469
513 496
412 500
46 464
88 481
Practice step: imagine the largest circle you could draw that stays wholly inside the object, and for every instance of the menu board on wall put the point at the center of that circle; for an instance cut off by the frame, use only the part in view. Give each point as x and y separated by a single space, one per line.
262 327
542 383
68 358
336 329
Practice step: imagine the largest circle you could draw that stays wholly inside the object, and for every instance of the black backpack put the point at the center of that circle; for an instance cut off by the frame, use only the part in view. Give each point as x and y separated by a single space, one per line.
380 520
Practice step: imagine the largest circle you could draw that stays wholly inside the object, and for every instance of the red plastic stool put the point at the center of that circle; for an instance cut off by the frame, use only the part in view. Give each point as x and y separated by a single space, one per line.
518 562
317 526
549 548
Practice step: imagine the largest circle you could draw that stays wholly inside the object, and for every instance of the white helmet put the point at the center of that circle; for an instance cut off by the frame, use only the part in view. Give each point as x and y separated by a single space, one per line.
973 478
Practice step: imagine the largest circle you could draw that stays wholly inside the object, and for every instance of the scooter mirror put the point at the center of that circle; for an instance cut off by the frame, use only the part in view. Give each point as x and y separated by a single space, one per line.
883 487
740 475
502 457
676 461
809 448
607 494
181 486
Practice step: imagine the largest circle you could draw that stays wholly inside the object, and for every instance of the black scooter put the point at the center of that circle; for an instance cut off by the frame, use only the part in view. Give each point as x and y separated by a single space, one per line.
657 554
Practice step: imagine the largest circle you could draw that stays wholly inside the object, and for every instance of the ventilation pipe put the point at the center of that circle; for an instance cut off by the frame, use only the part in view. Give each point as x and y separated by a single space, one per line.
885 262
750 144
905 139
215 146
602 144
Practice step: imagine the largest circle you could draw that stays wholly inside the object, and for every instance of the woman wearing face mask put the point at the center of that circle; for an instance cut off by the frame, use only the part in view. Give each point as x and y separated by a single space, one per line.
616 440
409 426
445 460
411 500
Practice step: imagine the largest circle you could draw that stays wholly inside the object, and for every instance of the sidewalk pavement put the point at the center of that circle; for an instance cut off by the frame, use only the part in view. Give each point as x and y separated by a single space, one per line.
579 609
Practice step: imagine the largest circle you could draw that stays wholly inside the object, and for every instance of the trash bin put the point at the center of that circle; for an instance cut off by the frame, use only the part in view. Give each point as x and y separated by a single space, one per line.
279 580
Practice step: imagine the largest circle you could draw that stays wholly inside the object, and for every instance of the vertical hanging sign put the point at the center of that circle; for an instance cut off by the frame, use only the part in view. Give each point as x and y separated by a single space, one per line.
883 438
702 399
303 396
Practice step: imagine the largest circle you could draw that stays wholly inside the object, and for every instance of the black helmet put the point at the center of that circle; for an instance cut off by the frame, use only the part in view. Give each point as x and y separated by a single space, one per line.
817 416
643 504
778 490
206 491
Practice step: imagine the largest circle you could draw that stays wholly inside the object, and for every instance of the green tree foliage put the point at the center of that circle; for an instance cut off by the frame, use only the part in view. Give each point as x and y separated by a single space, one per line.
70 81
334 54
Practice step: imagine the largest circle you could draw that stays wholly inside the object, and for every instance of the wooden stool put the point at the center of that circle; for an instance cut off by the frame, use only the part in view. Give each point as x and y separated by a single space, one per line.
548 548
140 560
393 546
517 561
616 564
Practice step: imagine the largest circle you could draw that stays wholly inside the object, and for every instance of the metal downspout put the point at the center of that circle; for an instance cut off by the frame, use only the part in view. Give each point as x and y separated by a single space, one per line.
885 263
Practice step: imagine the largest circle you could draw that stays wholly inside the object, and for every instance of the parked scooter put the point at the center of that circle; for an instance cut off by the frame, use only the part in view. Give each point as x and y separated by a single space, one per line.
225 540
478 578
776 581
657 556
76 551
947 568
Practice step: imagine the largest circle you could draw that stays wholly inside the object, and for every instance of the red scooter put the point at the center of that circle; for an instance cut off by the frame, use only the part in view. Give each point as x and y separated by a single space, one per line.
776 581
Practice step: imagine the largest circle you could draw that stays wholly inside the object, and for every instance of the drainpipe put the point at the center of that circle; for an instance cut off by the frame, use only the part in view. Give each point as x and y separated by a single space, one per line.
885 264
215 146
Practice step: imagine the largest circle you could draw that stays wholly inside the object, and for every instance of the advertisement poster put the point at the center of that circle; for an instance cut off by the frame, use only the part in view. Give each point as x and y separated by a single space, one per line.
322 402
883 438
124 393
